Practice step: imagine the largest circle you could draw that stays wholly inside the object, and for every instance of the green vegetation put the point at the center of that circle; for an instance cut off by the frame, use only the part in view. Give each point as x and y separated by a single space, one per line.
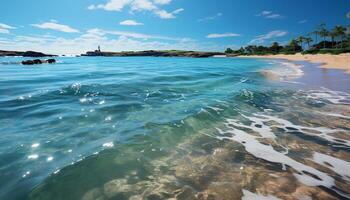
275 48
332 41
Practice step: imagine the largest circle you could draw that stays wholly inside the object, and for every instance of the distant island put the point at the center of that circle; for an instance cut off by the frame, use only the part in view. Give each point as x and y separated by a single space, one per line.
24 54
155 53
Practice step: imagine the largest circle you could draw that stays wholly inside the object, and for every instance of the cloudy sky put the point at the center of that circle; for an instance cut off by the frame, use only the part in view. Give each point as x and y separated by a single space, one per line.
75 26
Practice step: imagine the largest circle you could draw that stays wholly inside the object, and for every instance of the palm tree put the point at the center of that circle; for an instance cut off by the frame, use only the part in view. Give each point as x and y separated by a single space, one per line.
332 35
348 15
308 40
300 40
294 43
339 32
316 34
323 32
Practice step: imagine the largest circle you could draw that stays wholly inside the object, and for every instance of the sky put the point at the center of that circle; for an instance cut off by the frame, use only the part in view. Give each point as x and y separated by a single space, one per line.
76 26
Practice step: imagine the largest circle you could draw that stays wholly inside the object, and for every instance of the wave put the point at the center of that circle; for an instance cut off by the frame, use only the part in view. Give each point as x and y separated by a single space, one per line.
335 97
283 71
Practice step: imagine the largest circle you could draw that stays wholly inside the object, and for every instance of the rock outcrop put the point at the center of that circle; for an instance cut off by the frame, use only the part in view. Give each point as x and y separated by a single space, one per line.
24 54
38 61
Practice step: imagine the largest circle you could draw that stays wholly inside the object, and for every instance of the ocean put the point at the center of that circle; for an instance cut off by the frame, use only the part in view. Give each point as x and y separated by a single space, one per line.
182 128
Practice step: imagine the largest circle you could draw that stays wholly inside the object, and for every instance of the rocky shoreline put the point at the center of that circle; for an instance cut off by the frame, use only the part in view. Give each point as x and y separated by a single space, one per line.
170 53
24 54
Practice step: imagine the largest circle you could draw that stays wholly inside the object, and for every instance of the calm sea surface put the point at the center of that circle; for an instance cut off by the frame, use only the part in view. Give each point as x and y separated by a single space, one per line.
162 128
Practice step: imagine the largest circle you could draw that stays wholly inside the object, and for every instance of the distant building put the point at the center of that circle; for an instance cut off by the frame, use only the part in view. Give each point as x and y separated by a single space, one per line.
96 52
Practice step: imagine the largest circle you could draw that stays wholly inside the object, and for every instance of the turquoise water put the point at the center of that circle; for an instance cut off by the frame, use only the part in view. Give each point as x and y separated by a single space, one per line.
160 128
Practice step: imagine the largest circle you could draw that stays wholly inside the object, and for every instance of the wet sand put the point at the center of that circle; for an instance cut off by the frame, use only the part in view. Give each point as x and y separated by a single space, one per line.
327 61
314 77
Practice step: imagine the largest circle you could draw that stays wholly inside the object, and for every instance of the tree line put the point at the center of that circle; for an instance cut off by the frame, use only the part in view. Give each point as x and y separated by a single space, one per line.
321 40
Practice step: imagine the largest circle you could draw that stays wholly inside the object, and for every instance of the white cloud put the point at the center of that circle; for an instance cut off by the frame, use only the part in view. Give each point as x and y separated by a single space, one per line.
130 22
163 14
4 28
139 5
112 5
269 15
91 7
162 2
274 16
222 35
265 12
178 11
270 35
57 27
5 31
217 15
100 32
302 21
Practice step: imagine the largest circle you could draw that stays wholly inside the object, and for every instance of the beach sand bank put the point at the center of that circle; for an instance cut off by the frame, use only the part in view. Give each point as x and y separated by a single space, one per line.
341 61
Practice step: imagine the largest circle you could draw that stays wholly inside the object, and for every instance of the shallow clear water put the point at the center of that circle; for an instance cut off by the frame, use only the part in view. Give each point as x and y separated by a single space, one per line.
159 128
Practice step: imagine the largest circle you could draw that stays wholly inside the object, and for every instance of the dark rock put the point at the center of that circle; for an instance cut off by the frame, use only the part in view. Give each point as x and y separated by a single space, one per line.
27 62
51 61
37 61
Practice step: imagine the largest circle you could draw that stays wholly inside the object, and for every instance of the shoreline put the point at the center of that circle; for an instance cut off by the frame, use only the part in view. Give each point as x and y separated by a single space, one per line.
307 75
327 61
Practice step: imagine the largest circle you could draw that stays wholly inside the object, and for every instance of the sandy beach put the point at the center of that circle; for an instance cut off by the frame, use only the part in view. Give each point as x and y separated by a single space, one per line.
329 61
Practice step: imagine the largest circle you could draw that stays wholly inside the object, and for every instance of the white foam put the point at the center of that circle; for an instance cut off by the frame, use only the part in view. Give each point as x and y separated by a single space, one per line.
49 159
334 115
33 157
27 173
322 132
35 145
247 195
24 97
84 100
284 71
108 144
266 152
339 166
216 109
76 85
264 131
335 97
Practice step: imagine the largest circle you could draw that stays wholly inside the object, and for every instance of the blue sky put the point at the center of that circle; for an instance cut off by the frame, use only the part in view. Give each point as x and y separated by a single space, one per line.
75 26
